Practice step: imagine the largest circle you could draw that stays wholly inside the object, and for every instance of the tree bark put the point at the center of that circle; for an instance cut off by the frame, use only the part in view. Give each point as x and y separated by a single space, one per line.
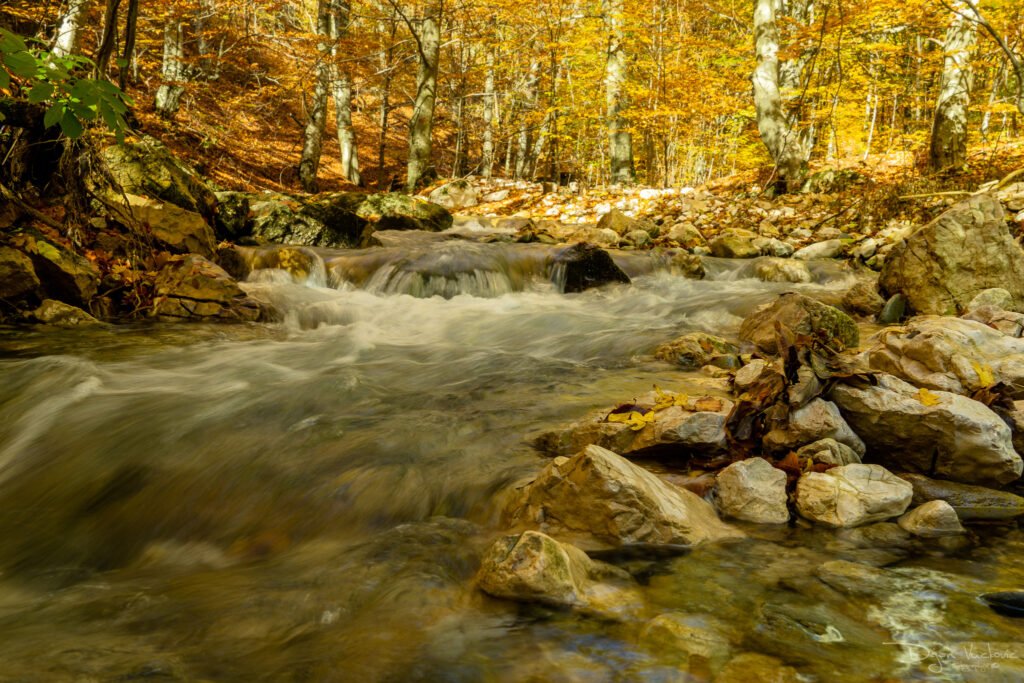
168 95
316 120
342 91
131 25
108 40
428 40
620 141
65 37
949 128
487 156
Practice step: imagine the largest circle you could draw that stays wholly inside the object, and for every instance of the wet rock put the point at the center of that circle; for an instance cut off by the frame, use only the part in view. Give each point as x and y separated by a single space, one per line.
949 354
753 491
828 452
687 265
878 536
852 495
686 235
605 237
735 244
533 567
622 224
969 502
802 315
600 493
173 228
950 435
685 638
771 269
65 275
820 250
815 421
60 314
933 519
865 249
585 266
863 299
894 310
699 423
770 246
327 221
232 220
1006 603
456 195
755 372
695 349
17 276
751 666
995 296
638 238
397 211
149 169
193 288
944 265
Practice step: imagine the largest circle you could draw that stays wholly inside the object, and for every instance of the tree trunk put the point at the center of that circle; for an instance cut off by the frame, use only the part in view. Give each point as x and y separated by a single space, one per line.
131 25
428 40
778 137
313 137
342 81
108 40
168 95
949 129
620 142
487 160
65 37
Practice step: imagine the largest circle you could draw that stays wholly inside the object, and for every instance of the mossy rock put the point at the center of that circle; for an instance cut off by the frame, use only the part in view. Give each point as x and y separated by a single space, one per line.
803 316
149 169
395 211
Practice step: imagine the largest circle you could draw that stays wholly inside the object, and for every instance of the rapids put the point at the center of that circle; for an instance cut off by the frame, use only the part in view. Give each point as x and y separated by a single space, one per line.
307 500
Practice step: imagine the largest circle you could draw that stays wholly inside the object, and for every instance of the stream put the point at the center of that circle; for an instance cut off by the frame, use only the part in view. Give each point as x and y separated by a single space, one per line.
308 500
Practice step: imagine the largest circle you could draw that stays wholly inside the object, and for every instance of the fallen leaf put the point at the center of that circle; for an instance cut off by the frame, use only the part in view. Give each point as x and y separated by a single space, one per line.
928 398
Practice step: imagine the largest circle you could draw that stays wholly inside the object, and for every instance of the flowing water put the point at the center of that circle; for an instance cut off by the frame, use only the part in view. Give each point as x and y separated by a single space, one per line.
308 500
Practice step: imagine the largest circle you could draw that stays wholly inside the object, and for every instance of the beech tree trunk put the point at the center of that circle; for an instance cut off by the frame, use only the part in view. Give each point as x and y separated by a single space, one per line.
342 91
428 41
487 159
620 142
65 36
949 128
783 144
168 95
316 117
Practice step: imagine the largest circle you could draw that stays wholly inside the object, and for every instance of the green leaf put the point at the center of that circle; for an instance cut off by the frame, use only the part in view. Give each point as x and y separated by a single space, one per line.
109 116
5 79
71 126
82 111
53 115
40 92
21 64
10 42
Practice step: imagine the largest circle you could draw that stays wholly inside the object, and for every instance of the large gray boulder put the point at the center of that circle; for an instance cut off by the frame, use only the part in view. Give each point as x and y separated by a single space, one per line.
946 263
802 315
754 491
600 493
149 169
852 495
324 221
396 211
925 431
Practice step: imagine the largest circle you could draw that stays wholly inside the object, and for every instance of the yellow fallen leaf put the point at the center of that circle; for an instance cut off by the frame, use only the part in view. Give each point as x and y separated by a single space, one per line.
928 398
986 377
635 420
708 404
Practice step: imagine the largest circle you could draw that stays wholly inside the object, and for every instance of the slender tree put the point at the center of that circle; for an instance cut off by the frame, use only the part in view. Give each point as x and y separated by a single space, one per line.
949 128
620 141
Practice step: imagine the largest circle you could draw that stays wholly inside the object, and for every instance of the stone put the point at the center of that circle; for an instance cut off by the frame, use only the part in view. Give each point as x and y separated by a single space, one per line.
60 314
994 296
863 299
828 452
684 637
754 491
459 194
770 246
1009 323
969 502
754 372
397 211
752 666
852 495
600 493
584 266
533 567
942 266
696 349
18 278
865 249
638 238
735 244
622 224
894 310
326 221
686 235
687 265
605 237
933 519
149 169
64 275
771 269
819 419
232 220
820 250
193 288
691 423
802 315
937 432
496 196
173 228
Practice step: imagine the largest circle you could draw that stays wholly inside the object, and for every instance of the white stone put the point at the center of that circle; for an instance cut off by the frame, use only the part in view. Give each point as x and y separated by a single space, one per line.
934 519
852 495
817 420
819 250
754 491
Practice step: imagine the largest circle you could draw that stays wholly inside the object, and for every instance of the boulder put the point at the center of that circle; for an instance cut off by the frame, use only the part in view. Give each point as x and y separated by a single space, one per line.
863 299
326 221
193 288
770 246
969 502
396 211
820 250
623 225
584 266
533 567
945 264
751 666
637 238
771 269
18 278
232 220
696 349
828 452
65 275
852 495
933 519
995 296
936 432
686 264
690 641
686 235
458 194
1009 323
60 314
754 491
735 244
173 228
804 316
671 423
817 420
149 169
602 494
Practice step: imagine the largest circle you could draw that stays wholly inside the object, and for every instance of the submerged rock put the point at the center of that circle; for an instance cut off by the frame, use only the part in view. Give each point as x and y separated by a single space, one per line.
584 266
969 502
944 265
754 491
933 519
690 640
852 495
752 666
193 288
600 493
804 316
696 349
950 435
